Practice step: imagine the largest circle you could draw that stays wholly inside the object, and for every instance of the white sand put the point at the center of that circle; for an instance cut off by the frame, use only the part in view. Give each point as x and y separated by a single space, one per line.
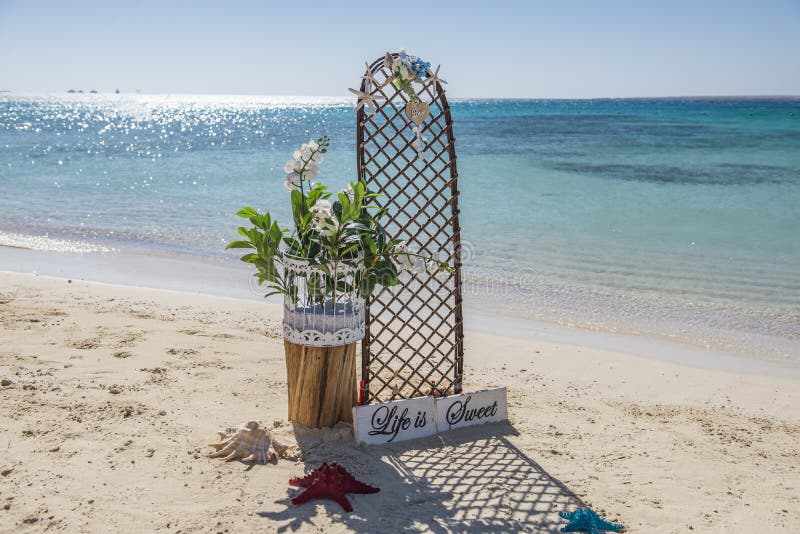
116 390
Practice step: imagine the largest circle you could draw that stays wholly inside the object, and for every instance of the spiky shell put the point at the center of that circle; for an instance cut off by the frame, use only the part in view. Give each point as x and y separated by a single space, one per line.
250 442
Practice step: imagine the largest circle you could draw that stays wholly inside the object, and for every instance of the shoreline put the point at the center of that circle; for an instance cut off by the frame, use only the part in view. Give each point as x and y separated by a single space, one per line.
228 278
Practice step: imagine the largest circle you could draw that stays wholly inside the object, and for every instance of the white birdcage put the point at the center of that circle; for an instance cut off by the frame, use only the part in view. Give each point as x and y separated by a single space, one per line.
324 308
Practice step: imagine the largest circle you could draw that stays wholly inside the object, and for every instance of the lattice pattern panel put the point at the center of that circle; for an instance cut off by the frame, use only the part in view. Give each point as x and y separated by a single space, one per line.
415 331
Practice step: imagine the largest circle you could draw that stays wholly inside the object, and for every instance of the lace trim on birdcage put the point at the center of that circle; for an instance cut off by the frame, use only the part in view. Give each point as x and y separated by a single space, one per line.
316 338
303 266
357 302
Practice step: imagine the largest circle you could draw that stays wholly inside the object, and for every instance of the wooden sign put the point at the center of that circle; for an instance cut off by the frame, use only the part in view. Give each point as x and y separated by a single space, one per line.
468 409
390 422
418 111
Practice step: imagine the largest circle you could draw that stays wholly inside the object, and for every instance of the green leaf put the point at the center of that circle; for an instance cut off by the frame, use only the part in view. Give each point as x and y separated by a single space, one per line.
275 232
247 212
352 249
358 227
373 248
359 190
292 244
368 285
387 272
344 200
239 244
297 208
318 191
260 221
267 268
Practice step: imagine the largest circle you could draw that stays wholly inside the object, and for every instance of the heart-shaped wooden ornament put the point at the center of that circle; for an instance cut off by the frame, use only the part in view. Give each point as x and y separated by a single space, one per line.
418 111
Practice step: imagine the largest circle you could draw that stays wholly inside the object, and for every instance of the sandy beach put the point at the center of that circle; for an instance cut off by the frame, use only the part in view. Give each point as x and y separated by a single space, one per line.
111 394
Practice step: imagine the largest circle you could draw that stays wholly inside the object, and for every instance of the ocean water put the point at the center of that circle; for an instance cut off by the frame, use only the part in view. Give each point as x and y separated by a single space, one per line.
677 218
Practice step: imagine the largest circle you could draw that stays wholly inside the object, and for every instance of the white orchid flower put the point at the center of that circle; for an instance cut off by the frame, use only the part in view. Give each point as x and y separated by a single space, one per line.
326 226
404 261
294 179
431 266
292 166
324 220
418 267
322 205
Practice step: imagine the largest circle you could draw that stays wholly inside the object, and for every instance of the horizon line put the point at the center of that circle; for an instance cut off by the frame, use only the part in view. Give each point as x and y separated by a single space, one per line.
760 96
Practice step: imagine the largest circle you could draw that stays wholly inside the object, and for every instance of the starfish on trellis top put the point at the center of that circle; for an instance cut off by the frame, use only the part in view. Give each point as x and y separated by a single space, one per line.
368 77
366 98
587 520
433 77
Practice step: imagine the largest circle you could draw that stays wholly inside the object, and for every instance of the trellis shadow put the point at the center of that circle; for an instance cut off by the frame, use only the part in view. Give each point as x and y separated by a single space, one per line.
470 480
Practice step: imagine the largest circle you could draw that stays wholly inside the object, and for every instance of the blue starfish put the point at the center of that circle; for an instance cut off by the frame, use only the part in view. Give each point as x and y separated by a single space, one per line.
587 519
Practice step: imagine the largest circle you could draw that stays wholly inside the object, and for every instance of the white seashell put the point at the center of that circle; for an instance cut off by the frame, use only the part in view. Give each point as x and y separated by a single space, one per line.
280 446
250 442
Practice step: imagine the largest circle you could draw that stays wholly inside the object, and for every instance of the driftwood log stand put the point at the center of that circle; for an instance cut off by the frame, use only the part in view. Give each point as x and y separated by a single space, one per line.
322 383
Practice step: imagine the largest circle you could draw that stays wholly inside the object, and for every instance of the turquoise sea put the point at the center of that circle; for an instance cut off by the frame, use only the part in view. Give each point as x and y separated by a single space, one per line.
677 218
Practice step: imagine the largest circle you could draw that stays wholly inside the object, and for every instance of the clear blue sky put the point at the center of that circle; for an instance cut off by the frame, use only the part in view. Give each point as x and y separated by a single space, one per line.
497 48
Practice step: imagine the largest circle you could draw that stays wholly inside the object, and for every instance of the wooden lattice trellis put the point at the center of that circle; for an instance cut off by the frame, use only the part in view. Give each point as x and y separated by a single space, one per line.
414 333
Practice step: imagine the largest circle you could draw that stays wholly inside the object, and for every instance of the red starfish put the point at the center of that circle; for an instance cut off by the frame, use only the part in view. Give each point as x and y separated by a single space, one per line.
329 482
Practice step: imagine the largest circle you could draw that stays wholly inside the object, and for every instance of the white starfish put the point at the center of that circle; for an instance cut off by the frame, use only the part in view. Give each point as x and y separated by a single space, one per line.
366 98
433 77
369 77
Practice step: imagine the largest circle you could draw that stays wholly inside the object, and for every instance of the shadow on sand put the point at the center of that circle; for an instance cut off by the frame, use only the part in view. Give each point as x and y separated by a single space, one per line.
470 480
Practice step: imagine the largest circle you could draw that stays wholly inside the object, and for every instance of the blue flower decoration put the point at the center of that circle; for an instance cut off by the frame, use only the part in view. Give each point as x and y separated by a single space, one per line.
420 67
